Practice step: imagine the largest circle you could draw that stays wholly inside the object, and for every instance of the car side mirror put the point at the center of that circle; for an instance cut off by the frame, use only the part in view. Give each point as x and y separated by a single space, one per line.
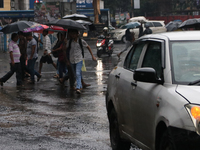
146 75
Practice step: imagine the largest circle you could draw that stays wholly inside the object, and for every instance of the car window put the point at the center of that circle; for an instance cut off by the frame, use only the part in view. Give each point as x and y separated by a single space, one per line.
133 56
157 24
149 24
185 61
153 58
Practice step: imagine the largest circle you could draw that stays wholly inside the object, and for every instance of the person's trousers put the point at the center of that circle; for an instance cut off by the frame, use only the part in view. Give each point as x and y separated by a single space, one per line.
31 68
62 69
23 66
77 71
13 68
128 44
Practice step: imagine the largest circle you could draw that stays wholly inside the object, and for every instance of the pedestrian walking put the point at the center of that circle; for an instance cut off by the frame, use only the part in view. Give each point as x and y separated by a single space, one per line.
129 40
147 30
22 46
56 53
32 56
75 54
46 57
63 65
15 66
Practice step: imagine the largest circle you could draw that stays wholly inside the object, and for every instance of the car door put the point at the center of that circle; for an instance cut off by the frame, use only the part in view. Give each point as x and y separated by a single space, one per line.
158 27
125 78
144 97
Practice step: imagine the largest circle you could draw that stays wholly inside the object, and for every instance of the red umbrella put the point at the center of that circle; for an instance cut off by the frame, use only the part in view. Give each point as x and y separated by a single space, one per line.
57 28
38 28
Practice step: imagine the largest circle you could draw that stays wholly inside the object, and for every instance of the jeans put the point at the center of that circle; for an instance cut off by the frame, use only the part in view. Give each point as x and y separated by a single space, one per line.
16 68
77 71
31 68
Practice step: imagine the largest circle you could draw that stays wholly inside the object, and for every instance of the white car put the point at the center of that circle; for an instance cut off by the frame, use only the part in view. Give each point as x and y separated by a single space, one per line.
153 94
155 26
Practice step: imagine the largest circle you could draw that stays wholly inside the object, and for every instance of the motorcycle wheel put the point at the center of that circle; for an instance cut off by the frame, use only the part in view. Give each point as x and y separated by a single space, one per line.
99 53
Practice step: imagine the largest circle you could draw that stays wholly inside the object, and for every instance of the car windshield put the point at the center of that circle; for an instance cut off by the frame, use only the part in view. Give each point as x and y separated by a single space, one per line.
130 25
185 61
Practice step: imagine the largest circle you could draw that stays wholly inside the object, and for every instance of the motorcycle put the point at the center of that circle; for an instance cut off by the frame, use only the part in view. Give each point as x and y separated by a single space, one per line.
102 48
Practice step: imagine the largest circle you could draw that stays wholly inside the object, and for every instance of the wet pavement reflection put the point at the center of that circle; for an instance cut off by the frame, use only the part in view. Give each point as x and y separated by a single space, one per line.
48 115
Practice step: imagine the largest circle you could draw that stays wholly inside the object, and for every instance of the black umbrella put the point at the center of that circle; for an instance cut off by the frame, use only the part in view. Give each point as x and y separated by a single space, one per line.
173 25
190 23
17 26
87 24
77 17
67 24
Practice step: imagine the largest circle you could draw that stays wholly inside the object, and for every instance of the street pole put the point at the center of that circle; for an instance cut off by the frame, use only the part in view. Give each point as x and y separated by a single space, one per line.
131 8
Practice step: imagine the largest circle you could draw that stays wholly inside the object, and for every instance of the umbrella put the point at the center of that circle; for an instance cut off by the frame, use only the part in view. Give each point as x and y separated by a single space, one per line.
67 23
173 25
37 28
17 26
77 17
190 23
57 28
87 24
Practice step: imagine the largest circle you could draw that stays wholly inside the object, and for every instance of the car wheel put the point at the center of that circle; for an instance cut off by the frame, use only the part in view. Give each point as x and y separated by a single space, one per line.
99 53
167 142
124 39
116 142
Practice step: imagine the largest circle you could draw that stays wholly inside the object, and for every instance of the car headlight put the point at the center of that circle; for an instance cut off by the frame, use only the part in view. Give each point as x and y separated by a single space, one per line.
194 112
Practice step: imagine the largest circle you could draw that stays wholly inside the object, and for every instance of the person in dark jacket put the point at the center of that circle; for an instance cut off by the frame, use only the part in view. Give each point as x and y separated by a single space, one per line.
129 40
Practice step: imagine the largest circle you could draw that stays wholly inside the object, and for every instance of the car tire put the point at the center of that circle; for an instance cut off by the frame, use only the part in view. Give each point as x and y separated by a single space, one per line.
116 142
166 142
124 39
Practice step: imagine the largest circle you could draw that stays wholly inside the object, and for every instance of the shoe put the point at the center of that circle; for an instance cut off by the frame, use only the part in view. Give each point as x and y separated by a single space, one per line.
20 85
86 85
1 82
38 78
78 91
31 82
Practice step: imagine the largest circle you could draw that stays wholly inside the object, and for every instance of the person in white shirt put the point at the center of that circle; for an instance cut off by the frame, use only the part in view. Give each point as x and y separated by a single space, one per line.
46 58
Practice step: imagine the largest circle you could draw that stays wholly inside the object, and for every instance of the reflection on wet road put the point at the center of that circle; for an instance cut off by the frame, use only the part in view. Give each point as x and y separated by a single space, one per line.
48 115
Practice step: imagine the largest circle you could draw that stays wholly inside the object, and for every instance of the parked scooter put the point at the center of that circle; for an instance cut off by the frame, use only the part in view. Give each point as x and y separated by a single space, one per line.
101 46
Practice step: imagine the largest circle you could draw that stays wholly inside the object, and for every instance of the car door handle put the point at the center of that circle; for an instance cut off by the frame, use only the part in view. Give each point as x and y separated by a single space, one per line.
133 84
117 76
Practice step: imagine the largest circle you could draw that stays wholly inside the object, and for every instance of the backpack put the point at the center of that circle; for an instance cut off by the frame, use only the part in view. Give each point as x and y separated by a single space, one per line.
69 48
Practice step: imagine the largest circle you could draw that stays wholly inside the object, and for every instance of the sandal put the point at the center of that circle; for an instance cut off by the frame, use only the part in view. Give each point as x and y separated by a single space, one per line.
61 81
78 91
56 76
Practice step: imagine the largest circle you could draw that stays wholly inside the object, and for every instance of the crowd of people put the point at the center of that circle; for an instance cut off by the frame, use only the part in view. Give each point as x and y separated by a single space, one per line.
23 50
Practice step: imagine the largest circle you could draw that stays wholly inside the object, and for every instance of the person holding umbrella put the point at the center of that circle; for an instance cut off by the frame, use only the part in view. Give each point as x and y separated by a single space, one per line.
15 65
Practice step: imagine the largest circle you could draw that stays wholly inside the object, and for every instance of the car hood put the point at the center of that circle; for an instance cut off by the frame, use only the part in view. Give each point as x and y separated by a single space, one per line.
191 93
117 30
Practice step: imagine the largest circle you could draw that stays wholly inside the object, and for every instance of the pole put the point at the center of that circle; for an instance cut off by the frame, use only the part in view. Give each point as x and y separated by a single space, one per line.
131 8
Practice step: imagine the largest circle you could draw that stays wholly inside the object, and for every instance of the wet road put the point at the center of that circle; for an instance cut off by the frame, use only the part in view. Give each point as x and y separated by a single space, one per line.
47 116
